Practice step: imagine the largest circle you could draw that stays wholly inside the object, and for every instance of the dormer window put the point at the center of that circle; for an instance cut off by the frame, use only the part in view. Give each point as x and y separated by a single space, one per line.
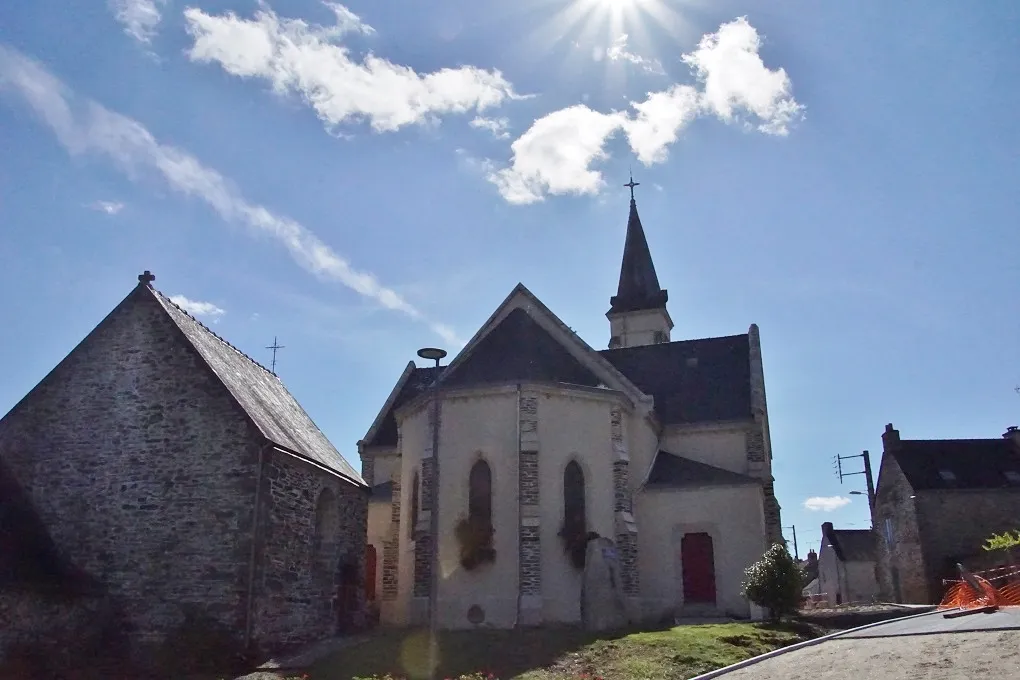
947 475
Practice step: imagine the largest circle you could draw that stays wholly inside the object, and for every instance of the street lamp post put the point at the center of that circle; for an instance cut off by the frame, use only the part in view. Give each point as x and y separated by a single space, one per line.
437 355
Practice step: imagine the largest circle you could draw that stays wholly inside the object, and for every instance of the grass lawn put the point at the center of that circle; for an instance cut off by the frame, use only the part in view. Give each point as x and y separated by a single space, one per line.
562 653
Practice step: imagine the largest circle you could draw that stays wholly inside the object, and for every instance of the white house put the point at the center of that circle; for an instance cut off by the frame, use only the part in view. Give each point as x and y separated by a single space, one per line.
661 446
846 565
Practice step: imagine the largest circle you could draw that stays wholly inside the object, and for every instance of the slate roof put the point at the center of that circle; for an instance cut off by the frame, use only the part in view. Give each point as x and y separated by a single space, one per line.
519 349
670 471
261 394
852 545
416 383
973 463
691 380
639 286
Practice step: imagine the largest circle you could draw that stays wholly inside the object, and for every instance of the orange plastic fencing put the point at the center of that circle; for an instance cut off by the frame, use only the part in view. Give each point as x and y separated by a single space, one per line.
999 587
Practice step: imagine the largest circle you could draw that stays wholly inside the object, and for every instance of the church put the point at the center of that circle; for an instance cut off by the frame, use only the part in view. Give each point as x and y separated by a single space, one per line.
543 443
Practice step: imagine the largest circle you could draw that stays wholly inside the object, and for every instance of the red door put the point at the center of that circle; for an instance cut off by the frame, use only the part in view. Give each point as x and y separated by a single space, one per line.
698 568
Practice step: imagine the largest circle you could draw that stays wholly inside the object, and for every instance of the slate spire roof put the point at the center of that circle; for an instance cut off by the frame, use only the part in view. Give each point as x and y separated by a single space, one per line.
639 286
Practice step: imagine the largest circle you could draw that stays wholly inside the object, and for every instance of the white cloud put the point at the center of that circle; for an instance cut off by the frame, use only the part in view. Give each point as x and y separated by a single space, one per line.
306 59
197 308
108 207
497 126
736 79
83 126
826 503
658 121
618 52
554 156
138 17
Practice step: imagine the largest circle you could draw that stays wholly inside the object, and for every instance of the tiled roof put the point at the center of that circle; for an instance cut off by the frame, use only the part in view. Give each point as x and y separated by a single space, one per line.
670 471
261 394
417 382
691 380
959 463
517 349
852 545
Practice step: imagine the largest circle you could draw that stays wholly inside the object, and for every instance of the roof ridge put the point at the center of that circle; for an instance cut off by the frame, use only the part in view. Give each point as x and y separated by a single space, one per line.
211 331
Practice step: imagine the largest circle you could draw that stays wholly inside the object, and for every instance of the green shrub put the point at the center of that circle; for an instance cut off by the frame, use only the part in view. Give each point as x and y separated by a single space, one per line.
774 582
1003 541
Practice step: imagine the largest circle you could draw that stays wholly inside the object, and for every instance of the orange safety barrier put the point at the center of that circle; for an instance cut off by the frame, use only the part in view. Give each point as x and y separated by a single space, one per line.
963 595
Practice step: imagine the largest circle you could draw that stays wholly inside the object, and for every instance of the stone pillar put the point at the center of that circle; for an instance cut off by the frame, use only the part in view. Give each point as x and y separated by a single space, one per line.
623 508
423 539
391 547
759 445
529 539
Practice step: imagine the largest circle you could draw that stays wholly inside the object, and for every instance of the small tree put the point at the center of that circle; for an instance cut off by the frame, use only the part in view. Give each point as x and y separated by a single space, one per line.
774 582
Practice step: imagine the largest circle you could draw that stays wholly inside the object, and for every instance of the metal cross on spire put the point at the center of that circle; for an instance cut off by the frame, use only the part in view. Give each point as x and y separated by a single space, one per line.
631 184
275 346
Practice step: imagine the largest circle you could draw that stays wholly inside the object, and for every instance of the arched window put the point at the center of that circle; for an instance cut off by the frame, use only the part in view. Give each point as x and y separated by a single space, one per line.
480 493
413 517
573 496
575 522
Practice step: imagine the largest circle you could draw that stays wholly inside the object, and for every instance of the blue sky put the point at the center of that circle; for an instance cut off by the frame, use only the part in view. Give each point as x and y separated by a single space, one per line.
361 180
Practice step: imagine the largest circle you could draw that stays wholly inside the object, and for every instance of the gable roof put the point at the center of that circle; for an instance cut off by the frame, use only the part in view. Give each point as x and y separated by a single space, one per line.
850 545
970 463
260 393
692 381
520 298
639 286
670 471
412 382
519 349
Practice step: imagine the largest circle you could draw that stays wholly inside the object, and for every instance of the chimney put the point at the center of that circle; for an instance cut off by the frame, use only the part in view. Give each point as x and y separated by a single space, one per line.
890 438
812 558
1012 432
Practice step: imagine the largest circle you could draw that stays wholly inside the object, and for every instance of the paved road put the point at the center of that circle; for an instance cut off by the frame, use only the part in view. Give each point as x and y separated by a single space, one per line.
928 647
935 622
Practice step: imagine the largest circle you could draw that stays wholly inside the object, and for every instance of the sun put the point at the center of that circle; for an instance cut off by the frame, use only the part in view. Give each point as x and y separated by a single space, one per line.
591 24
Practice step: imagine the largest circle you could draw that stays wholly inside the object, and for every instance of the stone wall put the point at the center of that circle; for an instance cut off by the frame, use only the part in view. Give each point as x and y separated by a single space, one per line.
141 467
954 523
313 537
901 566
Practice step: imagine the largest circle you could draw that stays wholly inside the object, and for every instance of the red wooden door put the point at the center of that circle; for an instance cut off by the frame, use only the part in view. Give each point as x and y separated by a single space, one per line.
698 568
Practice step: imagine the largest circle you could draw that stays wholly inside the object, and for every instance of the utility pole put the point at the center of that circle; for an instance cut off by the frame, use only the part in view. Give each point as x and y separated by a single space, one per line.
867 476
796 553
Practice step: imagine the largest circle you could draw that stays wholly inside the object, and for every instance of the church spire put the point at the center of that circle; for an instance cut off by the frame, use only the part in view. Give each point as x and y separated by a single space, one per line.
639 286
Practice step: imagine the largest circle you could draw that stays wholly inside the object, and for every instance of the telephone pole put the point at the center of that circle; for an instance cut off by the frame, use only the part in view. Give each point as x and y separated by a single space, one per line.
796 553
867 476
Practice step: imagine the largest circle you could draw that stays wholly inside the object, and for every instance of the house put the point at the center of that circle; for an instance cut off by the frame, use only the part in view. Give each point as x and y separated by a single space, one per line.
936 503
183 479
846 566
661 446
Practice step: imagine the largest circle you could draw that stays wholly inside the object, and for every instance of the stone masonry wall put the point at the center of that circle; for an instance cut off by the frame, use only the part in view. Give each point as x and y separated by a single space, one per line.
142 469
623 510
901 566
303 551
953 523
529 538
391 548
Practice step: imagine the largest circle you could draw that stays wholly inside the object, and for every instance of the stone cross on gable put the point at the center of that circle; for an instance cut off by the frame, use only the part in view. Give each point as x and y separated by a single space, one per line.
146 278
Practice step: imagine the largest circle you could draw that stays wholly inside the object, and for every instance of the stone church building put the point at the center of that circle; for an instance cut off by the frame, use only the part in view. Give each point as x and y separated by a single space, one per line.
661 446
181 479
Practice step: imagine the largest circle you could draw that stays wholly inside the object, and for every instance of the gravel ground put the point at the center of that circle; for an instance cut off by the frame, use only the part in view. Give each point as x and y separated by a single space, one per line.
949 656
